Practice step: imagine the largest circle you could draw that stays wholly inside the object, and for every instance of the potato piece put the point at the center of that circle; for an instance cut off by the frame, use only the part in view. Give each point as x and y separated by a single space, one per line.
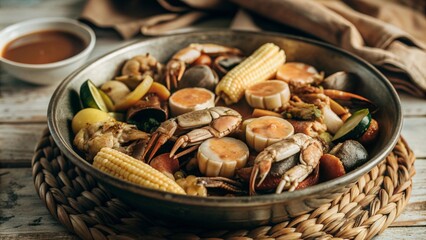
88 116
371 134
166 165
331 167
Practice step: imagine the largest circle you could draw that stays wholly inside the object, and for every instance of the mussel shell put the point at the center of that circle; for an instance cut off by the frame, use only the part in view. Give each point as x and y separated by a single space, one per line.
351 153
199 76
343 81
224 64
149 107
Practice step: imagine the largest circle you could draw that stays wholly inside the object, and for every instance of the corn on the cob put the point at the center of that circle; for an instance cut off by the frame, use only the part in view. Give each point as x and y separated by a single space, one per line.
130 169
259 66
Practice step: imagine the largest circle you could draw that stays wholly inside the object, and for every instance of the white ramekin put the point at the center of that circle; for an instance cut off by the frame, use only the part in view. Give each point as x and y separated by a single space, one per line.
49 73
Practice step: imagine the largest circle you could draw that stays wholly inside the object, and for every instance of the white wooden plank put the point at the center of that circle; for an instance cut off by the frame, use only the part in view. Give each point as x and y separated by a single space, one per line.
21 209
403 233
17 143
64 235
414 131
412 106
15 11
23 102
415 211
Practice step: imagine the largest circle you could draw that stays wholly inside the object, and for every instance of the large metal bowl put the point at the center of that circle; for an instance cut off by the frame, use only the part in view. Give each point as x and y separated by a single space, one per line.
229 211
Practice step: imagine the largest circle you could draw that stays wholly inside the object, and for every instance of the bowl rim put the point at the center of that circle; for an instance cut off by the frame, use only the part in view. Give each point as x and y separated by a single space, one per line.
229 202
15 27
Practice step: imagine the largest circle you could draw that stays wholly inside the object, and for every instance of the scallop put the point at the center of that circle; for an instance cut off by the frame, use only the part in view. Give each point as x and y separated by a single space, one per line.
222 156
264 131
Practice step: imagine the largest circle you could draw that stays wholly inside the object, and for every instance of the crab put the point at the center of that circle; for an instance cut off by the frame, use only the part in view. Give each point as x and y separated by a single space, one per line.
120 136
310 153
188 55
200 186
225 184
196 127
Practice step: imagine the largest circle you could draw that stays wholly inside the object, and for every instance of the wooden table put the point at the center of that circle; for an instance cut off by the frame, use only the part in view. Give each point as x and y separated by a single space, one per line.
23 110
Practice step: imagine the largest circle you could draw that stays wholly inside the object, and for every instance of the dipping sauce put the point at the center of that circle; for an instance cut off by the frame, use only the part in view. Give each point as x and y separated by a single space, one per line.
43 47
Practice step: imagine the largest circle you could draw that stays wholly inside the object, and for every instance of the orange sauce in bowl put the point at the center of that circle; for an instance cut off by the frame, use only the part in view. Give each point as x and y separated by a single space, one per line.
43 47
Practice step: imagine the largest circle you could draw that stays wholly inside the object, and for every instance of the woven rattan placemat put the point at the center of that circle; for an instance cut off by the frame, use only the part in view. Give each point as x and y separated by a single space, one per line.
91 212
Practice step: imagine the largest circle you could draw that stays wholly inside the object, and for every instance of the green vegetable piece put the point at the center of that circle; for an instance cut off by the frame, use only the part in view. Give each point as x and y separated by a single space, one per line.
90 96
302 111
147 126
354 127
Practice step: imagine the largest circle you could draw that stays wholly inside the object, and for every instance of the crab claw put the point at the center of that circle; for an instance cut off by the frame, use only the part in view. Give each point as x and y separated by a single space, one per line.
181 141
175 70
260 170
281 186
159 140
350 99
264 168
253 176
163 133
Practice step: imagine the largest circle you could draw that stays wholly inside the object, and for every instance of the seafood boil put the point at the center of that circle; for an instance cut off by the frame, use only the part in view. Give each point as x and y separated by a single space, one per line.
215 121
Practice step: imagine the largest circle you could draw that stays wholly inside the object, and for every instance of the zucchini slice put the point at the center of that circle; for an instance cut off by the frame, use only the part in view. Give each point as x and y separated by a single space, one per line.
354 127
90 96
107 100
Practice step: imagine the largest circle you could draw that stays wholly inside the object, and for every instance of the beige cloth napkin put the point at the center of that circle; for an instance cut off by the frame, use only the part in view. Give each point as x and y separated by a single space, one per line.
389 35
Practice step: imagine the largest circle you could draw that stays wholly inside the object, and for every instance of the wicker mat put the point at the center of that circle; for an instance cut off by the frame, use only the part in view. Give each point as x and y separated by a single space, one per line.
91 212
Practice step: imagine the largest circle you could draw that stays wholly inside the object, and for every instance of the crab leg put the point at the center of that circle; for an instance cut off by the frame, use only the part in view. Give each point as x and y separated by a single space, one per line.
217 122
309 158
337 94
350 99
177 65
252 183
274 153
220 182
164 132
186 151
194 137
280 151
175 70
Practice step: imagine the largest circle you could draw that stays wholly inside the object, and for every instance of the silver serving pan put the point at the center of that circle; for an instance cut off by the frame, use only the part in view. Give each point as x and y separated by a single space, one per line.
229 212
